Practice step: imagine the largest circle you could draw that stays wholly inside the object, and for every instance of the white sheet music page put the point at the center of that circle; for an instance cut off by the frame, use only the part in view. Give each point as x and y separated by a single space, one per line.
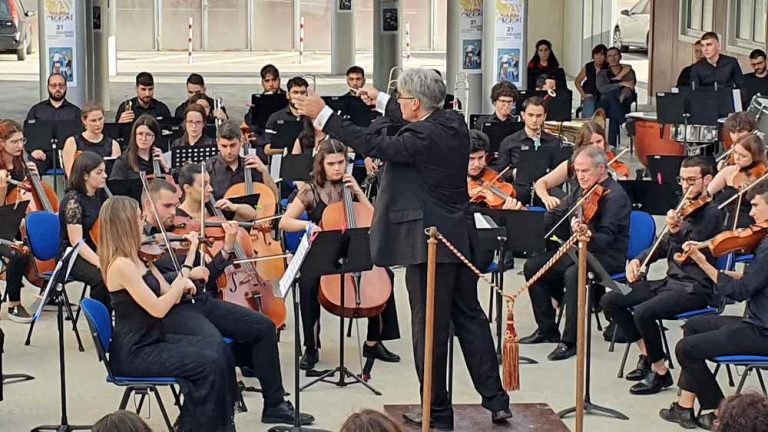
293 267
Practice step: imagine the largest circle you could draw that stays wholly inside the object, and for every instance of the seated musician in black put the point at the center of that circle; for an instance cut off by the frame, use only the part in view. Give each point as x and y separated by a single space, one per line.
78 212
685 287
196 88
329 180
143 103
228 168
12 167
532 138
710 336
254 334
91 140
610 239
478 153
504 96
297 86
194 127
141 152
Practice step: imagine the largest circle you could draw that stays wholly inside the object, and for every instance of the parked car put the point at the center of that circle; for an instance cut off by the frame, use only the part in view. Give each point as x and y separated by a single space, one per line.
633 27
15 28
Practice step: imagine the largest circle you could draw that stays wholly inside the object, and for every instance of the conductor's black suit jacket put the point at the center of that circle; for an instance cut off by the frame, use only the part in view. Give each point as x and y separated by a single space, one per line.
423 184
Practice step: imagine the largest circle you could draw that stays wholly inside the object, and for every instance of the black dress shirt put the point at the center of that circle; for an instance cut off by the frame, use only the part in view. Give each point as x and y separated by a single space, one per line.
493 118
753 85
702 225
284 115
512 146
752 287
222 176
684 79
156 109
45 111
726 73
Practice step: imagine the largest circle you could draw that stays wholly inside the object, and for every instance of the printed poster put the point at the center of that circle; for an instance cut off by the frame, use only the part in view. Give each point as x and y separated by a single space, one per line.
60 30
471 35
510 40
344 6
389 19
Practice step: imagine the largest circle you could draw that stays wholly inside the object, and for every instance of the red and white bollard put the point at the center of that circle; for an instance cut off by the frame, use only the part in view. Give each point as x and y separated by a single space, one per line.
301 41
189 41
407 41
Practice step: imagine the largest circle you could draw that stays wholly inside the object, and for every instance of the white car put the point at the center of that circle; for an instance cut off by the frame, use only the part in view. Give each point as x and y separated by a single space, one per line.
633 26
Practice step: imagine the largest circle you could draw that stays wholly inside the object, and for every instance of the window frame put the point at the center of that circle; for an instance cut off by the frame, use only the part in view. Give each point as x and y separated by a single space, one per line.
690 35
735 43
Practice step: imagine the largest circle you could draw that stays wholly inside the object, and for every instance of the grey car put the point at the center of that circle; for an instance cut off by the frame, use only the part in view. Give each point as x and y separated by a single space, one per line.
633 26
15 28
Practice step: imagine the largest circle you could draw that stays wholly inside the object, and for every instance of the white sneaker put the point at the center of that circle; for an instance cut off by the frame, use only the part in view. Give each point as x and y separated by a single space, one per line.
19 315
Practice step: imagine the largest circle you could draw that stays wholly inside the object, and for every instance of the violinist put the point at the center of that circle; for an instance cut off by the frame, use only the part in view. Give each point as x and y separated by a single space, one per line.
749 164
142 151
327 187
710 336
140 347
194 126
228 168
12 167
686 287
478 171
609 241
79 212
737 125
208 317
590 134
91 140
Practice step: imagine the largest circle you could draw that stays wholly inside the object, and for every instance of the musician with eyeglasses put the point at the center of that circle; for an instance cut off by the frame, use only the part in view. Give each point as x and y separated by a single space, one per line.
194 128
504 96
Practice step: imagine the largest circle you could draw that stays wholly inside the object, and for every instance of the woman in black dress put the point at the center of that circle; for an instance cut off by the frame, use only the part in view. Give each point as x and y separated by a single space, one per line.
91 140
545 61
141 152
78 213
141 298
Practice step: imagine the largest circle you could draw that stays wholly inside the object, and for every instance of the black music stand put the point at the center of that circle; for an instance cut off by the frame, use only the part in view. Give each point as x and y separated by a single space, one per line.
56 283
195 154
596 274
296 167
131 188
559 107
263 106
650 196
665 169
284 134
497 131
336 253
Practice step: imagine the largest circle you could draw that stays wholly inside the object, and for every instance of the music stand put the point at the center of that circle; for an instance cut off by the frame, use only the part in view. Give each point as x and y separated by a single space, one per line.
56 283
665 169
284 133
296 167
559 107
263 106
473 120
336 253
196 154
12 215
596 273
497 131
131 188
40 136
670 108
650 196
359 113
65 129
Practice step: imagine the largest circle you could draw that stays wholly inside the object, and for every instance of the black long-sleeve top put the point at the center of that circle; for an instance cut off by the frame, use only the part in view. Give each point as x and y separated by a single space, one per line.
511 147
726 73
752 287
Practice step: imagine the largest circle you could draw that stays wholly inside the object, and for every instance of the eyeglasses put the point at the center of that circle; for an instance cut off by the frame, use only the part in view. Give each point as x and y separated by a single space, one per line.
59 85
689 180
194 122
399 98
505 101
147 135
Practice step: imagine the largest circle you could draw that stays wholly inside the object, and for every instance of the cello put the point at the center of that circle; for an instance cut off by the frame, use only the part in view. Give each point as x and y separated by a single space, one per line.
365 294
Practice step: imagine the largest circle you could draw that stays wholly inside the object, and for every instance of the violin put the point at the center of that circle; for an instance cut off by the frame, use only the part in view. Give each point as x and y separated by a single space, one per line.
591 203
692 206
365 294
488 188
741 240
618 167
748 175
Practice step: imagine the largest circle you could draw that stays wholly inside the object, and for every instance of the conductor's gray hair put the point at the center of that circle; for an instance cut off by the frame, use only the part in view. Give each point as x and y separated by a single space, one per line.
593 153
425 85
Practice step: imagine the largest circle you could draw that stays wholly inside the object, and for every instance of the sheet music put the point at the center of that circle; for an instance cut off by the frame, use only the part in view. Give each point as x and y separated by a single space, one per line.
484 222
293 267
274 165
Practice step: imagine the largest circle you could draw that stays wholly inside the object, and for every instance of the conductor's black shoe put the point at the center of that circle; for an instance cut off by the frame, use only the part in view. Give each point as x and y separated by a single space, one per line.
643 369
562 352
677 414
380 352
309 359
444 424
537 338
501 416
706 421
284 413
652 384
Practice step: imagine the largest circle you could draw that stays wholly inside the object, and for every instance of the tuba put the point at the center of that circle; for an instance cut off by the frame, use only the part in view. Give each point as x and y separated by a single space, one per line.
568 130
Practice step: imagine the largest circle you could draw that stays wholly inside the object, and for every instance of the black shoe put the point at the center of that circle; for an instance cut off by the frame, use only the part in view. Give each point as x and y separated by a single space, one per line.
643 369
284 413
380 352
677 414
562 352
706 421
652 384
537 338
501 416
309 359
414 417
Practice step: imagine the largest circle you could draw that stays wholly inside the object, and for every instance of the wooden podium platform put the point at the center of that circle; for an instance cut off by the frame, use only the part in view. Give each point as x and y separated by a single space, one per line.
475 418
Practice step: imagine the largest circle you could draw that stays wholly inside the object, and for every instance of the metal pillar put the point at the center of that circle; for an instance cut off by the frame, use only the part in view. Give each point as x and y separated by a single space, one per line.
100 52
111 32
489 48
387 47
342 39
42 48
454 57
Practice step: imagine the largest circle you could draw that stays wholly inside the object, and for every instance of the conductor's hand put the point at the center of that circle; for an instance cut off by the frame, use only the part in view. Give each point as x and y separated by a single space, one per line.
512 204
369 94
371 167
309 105
550 202
38 154
632 270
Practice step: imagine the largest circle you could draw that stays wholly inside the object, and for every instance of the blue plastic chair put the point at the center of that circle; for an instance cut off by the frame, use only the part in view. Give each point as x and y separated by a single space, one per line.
292 239
750 362
100 324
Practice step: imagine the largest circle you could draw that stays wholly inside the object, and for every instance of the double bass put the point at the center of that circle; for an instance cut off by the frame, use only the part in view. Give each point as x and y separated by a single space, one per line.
365 294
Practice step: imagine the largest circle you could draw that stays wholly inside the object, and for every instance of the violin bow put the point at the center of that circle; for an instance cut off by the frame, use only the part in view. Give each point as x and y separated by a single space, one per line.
743 191
202 213
615 158
652 250
576 206
163 233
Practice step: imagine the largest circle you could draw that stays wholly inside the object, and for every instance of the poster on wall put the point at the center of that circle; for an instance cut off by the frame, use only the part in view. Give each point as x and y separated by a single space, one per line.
344 6
471 35
60 29
389 18
510 40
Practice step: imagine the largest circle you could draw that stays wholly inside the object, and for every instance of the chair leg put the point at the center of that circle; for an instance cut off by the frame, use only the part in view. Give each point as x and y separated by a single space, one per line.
665 341
760 378
162 408
613 338
144 393
126 396
68 310
623 361
730 375
743 379
176 396
597 319
82 296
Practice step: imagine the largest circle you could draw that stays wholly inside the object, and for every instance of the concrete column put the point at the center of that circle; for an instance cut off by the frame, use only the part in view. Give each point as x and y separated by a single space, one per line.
77 94
42 48
489 50
387 48
454 57
112 37
342 39
101 54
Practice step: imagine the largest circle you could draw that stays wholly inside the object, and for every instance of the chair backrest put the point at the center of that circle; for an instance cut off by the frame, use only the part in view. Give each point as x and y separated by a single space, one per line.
100 324
292 239
44 234
642 230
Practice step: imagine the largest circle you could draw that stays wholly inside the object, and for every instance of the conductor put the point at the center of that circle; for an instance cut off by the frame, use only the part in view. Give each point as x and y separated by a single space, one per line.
423 184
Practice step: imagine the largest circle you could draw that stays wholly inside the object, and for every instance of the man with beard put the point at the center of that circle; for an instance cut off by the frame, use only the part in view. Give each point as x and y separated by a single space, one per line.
55 108
297 86
757 81
143 103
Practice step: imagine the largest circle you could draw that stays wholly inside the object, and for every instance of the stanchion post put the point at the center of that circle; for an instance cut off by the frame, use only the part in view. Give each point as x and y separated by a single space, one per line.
189 42
581 336
429 331
407 41
301 41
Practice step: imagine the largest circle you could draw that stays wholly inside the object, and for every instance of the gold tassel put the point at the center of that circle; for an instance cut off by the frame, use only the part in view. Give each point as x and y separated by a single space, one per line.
511 354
